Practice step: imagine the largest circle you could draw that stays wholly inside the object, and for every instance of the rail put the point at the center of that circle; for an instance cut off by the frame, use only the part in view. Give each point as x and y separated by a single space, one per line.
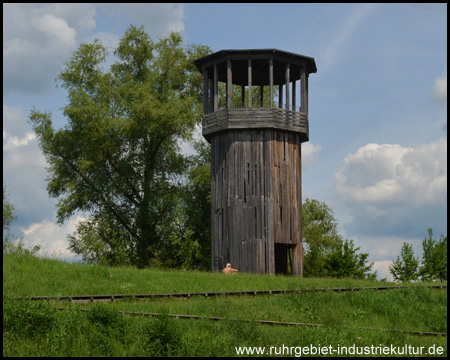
112 298
269 322
256 117
258 104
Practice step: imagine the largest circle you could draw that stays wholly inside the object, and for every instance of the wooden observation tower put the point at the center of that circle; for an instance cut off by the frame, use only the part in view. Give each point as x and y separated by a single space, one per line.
255 116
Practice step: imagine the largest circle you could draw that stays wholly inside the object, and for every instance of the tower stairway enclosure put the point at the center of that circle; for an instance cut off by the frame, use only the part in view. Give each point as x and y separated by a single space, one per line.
255 116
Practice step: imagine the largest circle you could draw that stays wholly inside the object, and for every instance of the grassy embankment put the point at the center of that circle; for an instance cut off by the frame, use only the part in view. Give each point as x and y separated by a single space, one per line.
37 328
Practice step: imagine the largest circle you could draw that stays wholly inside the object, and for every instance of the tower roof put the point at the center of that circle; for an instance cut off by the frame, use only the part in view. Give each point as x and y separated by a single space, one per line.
259 59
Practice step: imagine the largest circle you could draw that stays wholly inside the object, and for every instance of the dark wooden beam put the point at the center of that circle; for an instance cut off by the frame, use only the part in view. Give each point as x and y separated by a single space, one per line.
250 92
229 85
287 86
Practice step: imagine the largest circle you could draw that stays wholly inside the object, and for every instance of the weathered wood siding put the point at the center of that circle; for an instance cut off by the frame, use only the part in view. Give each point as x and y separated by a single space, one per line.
252 118
255 198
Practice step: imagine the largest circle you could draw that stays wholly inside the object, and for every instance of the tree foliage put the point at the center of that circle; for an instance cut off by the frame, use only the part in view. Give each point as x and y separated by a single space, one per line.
9 215
345 262
117 160
189 236
320 236
434 260
405 268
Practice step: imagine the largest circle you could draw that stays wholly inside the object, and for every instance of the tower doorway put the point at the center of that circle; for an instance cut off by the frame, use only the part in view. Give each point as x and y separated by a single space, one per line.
283 258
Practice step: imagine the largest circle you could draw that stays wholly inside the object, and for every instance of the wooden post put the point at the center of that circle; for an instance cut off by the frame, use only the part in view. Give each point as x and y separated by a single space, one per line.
271 82
205 91
280 96
287 86
261 95
211 95
293 95
302 89
216 88
249 82
306 94
243 96
297 268
229 85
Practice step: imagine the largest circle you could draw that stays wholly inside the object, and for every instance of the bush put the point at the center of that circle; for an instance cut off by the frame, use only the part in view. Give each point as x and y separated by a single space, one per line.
26 317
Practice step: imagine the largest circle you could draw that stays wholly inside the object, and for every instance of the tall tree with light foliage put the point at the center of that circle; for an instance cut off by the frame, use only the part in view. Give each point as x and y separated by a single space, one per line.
9 215
406 267
117 159
434 262
320 236
345 262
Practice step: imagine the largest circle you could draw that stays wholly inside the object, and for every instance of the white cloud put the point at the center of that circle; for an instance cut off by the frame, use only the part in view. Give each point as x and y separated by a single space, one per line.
382 269
394 191
392 174
37 38
55 29
158 19
78 16
439 91
13 121
24 168
12 142
51 237
309 154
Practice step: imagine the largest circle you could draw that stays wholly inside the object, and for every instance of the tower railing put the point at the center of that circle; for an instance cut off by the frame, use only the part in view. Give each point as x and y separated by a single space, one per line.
259 104
255 117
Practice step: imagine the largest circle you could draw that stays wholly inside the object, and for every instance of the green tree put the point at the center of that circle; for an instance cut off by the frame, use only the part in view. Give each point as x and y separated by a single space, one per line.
405 268
9 215
320 236
117 159
189 236
197 206
434 263
344 262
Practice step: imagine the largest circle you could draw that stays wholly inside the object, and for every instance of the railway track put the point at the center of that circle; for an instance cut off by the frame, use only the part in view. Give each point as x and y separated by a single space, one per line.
267 322
116 297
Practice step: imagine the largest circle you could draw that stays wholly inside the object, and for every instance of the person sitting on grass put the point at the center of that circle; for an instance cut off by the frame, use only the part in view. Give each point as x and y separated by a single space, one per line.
229 270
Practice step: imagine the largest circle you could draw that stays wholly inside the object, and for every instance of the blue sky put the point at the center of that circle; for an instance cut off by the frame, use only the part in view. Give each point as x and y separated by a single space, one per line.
377 153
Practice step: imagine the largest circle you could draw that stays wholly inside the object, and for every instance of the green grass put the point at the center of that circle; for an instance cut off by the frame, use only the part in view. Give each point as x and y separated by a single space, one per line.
36 328
30 276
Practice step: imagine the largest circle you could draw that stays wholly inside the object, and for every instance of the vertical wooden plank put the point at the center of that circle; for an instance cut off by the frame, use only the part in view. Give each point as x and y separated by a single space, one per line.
216 88
230 198
302 89
300 243
271 81
237 200
205 91
229 85
306 94
211 95
297 268
212 208
271 206
261 182
261 96
294 95
287 75
280 96
256 183
250 92
222 193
